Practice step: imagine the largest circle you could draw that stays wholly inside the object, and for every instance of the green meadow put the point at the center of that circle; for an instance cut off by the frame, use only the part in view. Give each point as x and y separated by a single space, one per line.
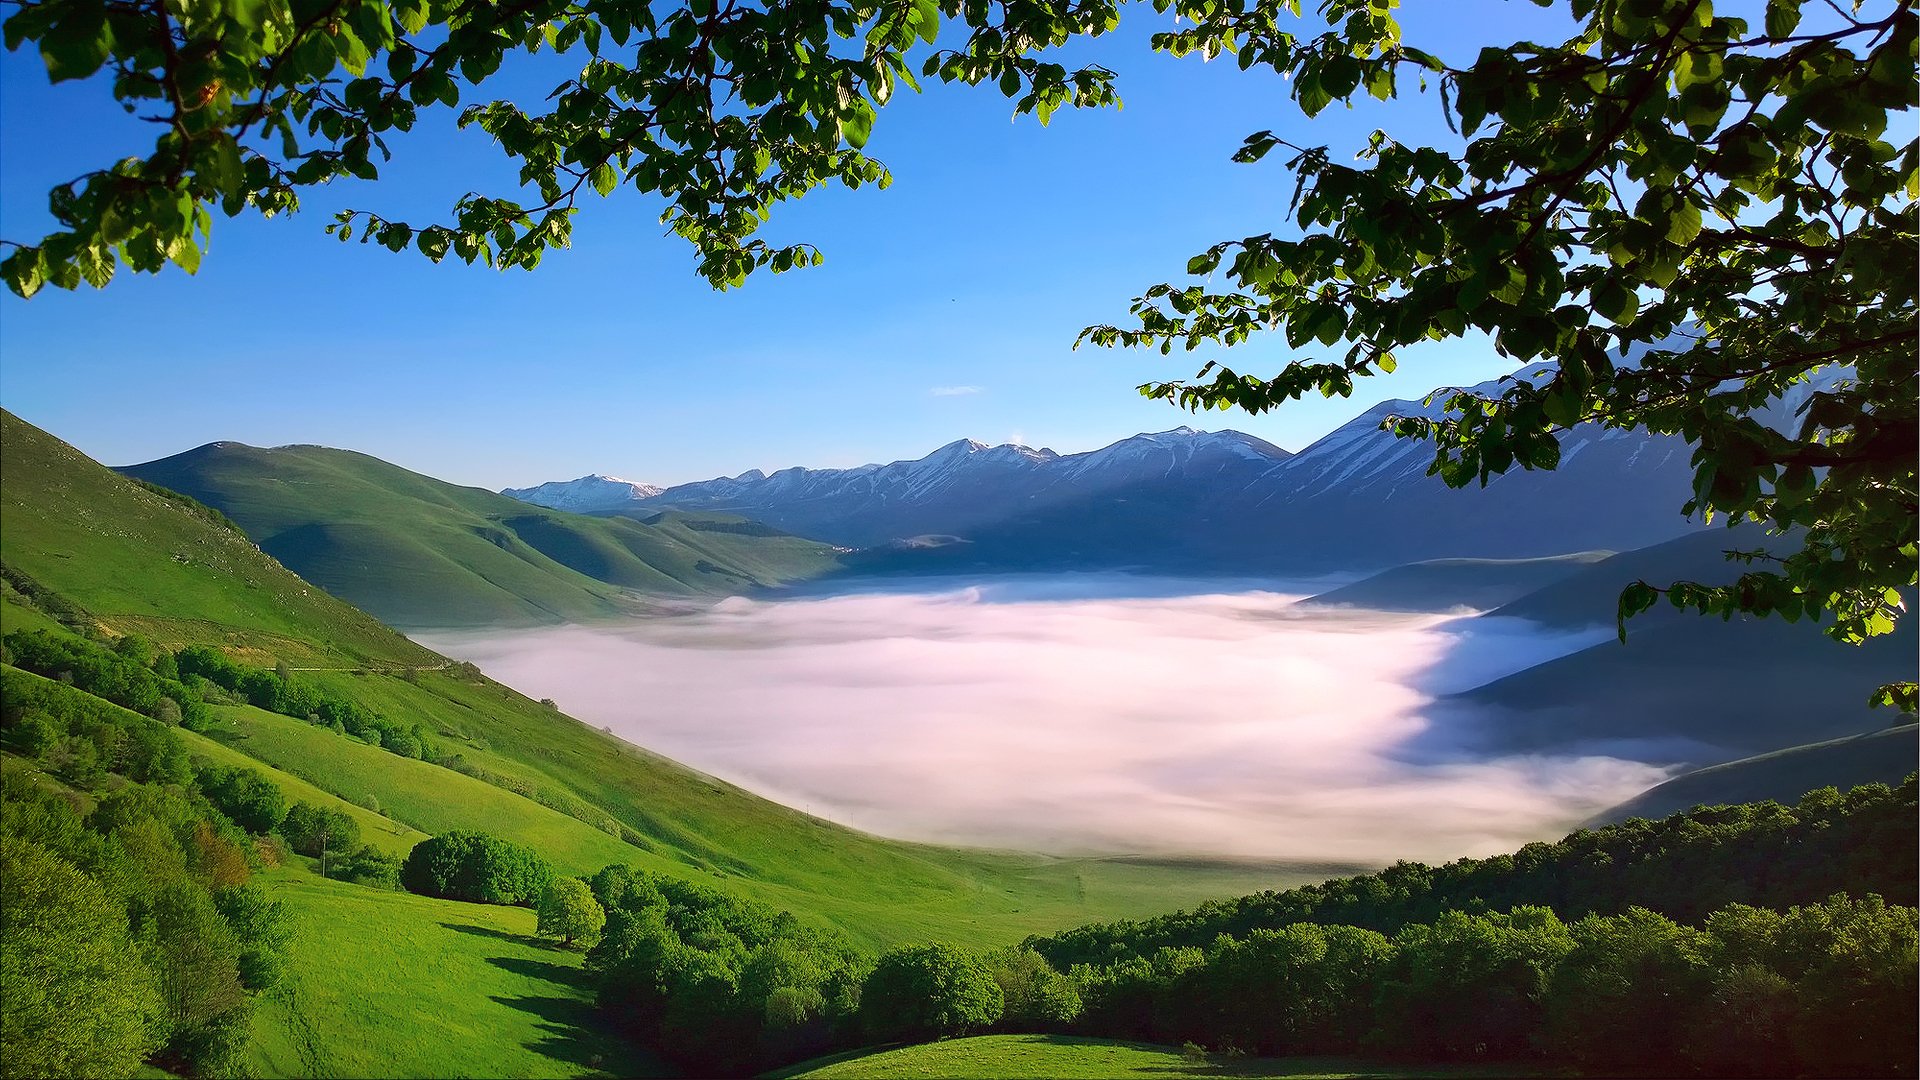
388 984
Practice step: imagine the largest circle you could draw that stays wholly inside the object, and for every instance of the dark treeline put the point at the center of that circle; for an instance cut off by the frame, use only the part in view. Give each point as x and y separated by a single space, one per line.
1685 867
726 986
1825 989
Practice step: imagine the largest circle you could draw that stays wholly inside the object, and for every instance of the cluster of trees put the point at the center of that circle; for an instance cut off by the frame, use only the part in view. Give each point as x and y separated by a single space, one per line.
1821 989
275 692
175 687
133 673
129 932
719 984
82 738
329 834
1685 866
726 986
477 868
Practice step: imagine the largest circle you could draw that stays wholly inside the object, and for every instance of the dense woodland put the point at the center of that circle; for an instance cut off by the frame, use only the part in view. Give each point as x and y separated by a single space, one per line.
1756 939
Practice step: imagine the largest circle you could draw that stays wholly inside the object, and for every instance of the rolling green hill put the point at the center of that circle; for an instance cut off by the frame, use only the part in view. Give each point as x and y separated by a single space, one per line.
87 547
419 552
1444 584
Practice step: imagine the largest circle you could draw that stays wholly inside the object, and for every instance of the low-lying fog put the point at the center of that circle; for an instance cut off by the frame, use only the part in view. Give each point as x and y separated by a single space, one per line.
1078 714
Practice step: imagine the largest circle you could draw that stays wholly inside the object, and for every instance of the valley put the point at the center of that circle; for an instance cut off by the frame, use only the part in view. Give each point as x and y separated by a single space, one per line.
994 699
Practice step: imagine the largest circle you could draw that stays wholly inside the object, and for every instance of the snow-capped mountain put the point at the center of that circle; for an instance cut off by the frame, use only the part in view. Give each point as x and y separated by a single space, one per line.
585 495
1358 499
966 485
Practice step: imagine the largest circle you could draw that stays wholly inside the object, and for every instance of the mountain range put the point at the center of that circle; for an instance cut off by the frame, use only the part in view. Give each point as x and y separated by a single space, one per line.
1192 501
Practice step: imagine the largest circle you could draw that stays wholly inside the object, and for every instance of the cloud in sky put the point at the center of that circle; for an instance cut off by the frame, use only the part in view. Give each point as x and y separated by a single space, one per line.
955 391
1075 719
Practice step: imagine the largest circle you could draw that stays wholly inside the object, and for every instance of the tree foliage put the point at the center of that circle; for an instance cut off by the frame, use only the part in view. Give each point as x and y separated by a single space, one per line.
78 1001
568 911
719 111
1729 200
476 867
920 992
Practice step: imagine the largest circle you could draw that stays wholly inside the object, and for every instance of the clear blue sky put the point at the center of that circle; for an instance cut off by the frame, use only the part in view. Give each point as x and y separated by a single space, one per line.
947 306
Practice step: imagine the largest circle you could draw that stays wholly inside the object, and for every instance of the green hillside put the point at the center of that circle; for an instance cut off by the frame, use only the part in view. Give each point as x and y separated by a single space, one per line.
1444 584
132 559
87 547
419 552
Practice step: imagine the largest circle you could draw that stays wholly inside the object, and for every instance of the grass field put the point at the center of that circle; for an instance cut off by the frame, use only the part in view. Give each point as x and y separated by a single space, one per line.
1066 1057
388 984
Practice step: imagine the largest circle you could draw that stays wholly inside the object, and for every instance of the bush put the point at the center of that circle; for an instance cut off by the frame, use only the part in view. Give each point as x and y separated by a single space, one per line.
249 800
569 912
927 992
476 867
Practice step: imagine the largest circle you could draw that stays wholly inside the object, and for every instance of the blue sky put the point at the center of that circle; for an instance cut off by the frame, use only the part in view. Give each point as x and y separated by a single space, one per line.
947 307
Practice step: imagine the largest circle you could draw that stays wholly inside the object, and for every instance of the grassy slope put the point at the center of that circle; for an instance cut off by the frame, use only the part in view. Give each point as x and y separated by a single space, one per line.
389 984
1444 584
1039 1057
421 552
383 833
139 560
103 542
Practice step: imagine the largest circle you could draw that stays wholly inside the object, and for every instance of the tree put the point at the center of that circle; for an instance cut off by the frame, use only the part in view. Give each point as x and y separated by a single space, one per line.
78 1000
922 992
1717 195
252 801
569 912
476 867
319 831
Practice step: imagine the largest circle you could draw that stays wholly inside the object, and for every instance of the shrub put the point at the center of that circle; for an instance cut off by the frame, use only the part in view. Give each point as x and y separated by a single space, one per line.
476 867
927 992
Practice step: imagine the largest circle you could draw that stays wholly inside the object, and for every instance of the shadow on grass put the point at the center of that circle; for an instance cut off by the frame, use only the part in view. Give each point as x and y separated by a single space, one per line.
525 940
566 975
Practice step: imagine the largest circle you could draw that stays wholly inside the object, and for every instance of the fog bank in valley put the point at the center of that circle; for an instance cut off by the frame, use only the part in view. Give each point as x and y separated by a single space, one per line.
1073 716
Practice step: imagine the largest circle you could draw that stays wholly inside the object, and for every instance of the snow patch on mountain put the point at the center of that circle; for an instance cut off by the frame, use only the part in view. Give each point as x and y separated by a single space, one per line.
585 495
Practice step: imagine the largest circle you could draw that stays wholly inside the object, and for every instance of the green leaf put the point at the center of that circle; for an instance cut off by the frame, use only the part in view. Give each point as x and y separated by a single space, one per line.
1684 224
1616 303
23 272
857 124
1783 16
184 253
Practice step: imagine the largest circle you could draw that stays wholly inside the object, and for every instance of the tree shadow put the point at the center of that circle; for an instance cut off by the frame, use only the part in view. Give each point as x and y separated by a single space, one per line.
525 940
572 1030
561 974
